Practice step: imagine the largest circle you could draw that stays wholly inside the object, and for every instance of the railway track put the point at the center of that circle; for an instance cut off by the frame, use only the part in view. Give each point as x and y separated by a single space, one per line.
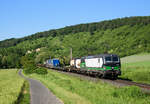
141 85
118 82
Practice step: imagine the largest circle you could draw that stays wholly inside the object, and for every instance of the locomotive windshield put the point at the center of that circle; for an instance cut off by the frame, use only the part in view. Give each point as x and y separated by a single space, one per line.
115 58
111 58
107 58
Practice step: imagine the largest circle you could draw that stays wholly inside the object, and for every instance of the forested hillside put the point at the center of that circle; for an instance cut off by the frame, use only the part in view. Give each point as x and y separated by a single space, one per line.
124 37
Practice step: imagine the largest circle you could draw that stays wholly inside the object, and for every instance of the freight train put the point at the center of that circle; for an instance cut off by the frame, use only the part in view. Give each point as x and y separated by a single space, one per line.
102 65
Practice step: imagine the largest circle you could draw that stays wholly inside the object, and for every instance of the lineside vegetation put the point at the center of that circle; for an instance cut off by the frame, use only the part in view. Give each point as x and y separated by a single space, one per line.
138 71
74 90
136 68
24 97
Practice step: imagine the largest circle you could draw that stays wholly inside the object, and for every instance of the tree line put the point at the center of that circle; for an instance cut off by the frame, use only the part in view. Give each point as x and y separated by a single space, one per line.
88 27
124 37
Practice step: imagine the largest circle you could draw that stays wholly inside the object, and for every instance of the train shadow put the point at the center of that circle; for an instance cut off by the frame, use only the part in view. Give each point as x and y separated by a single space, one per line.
124 79
116 78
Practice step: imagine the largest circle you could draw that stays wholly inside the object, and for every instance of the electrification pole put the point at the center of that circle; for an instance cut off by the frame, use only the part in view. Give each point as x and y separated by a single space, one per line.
71 53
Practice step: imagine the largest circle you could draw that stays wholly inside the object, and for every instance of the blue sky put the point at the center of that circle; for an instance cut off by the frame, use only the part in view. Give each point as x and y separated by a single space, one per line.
19 18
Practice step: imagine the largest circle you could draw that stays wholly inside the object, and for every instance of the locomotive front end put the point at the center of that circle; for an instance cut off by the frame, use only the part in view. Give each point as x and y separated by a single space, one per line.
112 65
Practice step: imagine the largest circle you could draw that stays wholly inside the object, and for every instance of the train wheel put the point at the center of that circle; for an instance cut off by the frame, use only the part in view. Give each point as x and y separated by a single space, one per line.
103 75
115 77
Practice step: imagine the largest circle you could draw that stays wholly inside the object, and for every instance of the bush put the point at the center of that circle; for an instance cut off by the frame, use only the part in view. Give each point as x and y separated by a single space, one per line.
31 68
41 71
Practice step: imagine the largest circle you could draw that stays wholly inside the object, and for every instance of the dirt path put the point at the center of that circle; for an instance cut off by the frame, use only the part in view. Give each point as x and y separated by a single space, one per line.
40 94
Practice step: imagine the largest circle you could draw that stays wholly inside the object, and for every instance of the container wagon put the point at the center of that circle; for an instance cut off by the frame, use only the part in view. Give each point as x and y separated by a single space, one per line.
52 63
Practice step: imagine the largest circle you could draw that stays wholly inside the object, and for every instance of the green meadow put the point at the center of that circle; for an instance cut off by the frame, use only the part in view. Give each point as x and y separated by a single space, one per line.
74 90
136 68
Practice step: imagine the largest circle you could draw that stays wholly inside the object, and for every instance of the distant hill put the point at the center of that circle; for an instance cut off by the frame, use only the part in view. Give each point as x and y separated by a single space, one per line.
122 36
89 27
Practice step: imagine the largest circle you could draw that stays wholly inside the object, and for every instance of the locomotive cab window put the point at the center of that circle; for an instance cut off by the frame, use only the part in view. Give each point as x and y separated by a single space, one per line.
115 58
111 58
108 59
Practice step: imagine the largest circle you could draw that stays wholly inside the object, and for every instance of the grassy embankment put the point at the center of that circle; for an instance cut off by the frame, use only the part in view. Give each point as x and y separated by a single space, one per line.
24 97
12 87
73 90
136 68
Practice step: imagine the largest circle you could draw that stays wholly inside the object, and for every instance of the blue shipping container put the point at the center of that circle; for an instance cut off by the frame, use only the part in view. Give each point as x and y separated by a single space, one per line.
56 62
53 62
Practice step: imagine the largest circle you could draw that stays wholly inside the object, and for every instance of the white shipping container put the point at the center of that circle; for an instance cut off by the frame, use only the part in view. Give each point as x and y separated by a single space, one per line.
94 62
78 62
72 63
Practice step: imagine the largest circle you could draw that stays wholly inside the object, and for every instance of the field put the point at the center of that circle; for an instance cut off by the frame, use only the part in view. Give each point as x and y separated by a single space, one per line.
73 90
10 86
136 68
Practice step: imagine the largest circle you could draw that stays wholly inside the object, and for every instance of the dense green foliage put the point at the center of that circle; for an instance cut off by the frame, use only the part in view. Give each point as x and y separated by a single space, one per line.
89 27
30 66
75 90
10 57
41 71
124 37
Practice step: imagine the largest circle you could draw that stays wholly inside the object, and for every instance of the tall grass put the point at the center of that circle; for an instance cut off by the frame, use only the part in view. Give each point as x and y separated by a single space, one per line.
73 90
10 86
24 97
138 71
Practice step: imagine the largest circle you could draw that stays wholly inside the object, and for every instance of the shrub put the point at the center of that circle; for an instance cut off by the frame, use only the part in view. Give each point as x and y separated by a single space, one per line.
41 71
30 69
